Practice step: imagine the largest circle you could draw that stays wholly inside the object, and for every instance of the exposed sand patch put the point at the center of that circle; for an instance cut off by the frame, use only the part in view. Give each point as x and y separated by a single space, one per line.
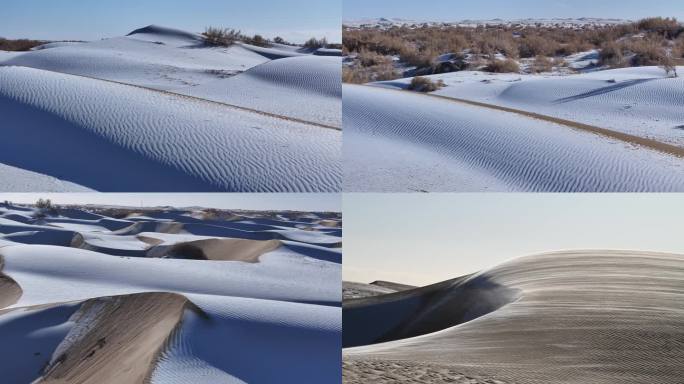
386 372
150 240
116 340
330 223
225 249
10 291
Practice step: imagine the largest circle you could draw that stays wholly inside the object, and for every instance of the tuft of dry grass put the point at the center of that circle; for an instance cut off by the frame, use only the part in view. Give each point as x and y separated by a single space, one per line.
221 37
503 66
423 84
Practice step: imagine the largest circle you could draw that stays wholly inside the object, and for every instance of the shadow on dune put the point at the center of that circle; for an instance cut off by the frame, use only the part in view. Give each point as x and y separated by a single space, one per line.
421 311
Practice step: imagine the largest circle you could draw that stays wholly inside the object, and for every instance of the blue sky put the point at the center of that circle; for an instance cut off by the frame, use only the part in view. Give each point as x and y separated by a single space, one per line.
446 10
426 238
295 20
256 201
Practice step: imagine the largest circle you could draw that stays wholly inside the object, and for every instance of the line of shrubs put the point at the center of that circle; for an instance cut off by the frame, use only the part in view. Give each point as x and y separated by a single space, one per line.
225 37
652 41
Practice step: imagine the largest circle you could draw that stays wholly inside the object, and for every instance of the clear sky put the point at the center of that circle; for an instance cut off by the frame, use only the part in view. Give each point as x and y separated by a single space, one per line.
450 10
294 20
425 238
254 201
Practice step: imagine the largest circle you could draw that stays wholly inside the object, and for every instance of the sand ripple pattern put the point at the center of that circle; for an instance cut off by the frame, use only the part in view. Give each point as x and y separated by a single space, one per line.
113 137
522 153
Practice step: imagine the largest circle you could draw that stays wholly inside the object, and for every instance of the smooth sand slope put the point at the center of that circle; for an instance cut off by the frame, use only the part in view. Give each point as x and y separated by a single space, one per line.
160 111
574 317
430 144
168 296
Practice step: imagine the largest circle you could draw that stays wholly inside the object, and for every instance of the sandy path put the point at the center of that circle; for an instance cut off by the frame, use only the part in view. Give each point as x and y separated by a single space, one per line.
116 340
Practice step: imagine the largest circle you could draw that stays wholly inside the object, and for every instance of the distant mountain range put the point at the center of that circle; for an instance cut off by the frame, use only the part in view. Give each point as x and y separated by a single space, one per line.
384 22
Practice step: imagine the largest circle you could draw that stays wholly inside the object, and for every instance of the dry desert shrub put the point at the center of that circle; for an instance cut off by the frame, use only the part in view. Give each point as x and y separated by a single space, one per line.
423 84
503 66
542 64
645 52
669 28
611 55
221 37
18 45
636 43
257 40
314 43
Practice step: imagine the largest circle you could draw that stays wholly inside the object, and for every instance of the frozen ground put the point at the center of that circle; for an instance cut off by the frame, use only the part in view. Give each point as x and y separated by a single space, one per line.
187 316
253 123
564 317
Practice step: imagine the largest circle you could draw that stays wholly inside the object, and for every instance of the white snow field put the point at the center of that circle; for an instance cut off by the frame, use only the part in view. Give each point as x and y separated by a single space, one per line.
245 318
404 141
120 108
571 317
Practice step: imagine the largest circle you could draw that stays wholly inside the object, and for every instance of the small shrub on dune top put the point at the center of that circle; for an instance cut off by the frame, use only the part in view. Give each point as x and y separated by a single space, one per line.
280 40
423 84
258 40
503 66
221 37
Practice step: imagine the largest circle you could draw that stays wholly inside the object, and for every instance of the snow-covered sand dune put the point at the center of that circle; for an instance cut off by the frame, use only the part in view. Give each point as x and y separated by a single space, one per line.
114 137
575 317
79 312
402 141
639 101
303 87
154 56
123 102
